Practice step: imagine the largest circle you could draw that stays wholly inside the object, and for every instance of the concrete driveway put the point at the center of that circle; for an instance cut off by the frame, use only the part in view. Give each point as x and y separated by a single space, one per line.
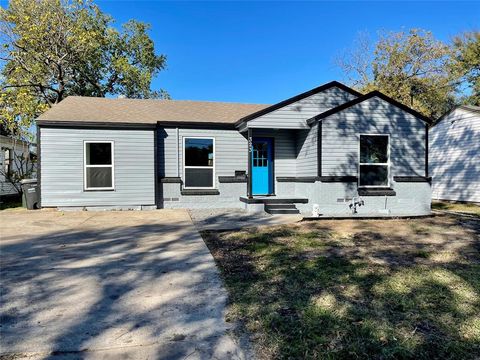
110 285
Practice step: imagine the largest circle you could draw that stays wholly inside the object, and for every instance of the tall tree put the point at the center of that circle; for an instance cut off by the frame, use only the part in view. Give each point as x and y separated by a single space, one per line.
55 48
465 65
410 66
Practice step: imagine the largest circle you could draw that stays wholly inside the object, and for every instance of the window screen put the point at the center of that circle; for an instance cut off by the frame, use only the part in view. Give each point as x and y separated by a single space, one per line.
199 162
373 168
99 165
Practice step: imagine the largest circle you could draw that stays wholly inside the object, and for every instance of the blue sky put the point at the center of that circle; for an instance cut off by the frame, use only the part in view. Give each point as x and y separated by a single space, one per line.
264 52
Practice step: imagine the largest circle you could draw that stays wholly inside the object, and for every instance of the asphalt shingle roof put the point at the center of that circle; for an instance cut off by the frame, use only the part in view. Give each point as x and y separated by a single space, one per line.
146 111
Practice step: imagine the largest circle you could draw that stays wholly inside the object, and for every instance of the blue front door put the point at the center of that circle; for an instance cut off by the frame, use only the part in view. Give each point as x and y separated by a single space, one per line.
262 166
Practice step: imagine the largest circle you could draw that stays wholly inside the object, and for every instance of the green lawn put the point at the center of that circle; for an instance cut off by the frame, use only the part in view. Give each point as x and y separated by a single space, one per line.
457 207
356 289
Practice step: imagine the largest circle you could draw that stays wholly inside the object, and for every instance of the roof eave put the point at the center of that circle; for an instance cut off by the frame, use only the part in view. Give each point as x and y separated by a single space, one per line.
130 125
94 124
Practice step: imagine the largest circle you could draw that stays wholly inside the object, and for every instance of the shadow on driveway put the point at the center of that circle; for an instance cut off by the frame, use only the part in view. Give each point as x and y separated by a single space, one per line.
110 285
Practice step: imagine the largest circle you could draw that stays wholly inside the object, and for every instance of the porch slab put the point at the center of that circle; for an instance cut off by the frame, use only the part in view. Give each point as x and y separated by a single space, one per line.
273 200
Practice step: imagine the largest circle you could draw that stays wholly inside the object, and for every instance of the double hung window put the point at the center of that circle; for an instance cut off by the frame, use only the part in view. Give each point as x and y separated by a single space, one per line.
374 162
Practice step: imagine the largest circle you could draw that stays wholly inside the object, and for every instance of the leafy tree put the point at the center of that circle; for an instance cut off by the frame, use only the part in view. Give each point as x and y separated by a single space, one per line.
465 65
55 48
411 67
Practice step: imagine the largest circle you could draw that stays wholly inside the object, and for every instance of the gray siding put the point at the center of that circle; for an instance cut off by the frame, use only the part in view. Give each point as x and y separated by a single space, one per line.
230 150
454 149
230 155
334 199
284 148
340 138
62 168
294 116
307 161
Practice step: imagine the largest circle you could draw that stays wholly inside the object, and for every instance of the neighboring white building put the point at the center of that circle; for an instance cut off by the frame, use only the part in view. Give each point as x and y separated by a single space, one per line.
454 149
9 147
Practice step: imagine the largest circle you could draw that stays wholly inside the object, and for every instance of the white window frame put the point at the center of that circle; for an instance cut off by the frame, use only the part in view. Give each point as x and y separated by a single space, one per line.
85 166
199 167
374 164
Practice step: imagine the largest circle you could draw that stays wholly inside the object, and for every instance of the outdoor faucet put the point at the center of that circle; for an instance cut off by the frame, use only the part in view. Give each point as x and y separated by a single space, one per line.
356 202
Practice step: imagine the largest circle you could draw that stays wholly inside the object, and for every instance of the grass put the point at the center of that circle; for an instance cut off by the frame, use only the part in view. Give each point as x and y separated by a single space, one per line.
467 208
355 289
13 205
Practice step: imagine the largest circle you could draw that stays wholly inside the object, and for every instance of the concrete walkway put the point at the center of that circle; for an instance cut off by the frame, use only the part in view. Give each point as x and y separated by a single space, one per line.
110 285
233 219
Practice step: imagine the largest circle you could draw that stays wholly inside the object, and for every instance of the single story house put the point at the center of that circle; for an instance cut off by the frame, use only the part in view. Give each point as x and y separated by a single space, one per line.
455 155
331 148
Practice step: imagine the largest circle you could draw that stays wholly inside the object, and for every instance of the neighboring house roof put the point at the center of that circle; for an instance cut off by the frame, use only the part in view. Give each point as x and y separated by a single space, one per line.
366 97
469 108
92 110
298 97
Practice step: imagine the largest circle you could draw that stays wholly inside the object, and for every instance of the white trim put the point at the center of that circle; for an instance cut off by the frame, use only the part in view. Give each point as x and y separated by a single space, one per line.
85 166
198 167
387 164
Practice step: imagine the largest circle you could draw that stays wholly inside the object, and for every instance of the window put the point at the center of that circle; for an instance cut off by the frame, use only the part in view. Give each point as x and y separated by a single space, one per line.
199 163
260 154
99 170
374 160
7 161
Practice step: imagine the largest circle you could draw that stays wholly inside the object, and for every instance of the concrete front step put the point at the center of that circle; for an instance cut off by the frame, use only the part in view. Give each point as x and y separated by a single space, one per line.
272 200
281 209
280 206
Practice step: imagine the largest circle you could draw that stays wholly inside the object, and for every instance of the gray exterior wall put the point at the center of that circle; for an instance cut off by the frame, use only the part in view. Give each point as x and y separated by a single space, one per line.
295 156
340 138
307 156
62 167
295 115
228 197
231 154
284 149
230 150
454 148
412 198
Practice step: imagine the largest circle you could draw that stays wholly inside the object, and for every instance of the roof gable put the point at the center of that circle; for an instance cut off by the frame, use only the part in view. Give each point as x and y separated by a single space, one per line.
297 98
468 108
365 98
